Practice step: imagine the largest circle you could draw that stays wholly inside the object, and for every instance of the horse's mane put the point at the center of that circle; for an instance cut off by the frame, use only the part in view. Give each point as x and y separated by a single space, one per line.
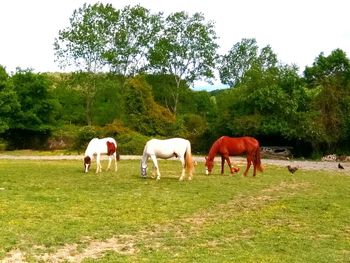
214 149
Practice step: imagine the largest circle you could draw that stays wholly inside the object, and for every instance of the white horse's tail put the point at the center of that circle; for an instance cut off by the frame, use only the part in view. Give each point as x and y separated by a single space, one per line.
188 159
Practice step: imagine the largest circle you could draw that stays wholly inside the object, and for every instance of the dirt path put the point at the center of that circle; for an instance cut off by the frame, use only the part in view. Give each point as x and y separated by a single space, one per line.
302 164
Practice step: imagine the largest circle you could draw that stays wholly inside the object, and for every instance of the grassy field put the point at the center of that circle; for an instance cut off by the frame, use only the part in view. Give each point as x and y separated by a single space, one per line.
52 211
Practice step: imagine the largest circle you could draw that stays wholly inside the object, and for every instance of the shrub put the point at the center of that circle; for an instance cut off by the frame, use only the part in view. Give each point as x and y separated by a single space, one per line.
83 136
131 143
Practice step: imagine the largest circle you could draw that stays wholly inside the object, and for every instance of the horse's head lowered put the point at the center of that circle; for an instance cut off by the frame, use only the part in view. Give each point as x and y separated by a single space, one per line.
208 165
143 170
87 163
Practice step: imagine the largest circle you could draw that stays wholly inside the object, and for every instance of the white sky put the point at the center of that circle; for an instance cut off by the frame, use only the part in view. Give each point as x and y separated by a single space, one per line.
297 30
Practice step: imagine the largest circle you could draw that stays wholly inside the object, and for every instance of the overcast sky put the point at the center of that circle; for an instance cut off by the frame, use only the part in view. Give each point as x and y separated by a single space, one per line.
297 30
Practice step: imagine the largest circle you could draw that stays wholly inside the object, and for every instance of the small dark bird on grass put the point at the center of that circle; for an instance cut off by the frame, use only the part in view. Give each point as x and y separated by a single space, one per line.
340 166
292 169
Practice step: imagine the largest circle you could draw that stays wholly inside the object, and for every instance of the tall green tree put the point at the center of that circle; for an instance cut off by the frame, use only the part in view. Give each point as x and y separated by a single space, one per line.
266 103
329 76
85 41
84 45
186 50
130 39
241 58
238 61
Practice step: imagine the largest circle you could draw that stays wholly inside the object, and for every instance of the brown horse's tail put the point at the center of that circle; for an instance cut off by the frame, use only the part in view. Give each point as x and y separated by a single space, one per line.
188 159
117 154
257 160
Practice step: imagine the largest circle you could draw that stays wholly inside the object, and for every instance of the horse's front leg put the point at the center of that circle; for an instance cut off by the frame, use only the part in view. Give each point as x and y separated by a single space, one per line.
232 169
222 163
155 166
98 164
154 171
227 158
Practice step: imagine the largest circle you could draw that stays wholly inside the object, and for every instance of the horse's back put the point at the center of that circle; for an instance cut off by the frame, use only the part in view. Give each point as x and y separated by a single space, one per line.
238 145
166 148
97 145
108 139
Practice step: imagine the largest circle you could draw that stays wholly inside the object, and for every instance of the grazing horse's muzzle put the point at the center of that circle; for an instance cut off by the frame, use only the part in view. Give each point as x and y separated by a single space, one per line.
87 163
143 171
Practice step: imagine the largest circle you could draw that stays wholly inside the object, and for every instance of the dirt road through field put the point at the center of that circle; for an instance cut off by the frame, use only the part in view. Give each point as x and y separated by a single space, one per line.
302 164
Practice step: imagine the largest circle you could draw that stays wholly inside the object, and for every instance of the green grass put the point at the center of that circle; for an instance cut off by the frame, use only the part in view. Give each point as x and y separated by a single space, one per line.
275 217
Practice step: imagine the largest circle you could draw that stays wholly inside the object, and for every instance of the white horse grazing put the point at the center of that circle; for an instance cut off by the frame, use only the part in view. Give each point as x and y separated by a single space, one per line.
165 149
101 146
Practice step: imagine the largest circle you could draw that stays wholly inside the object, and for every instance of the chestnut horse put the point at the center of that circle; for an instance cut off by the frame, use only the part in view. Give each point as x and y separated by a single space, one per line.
226 146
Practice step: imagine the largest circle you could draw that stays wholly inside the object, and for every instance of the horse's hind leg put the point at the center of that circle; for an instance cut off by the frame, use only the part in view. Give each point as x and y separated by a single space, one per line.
182 174
115 162
109 162
249 163
254 165
183 169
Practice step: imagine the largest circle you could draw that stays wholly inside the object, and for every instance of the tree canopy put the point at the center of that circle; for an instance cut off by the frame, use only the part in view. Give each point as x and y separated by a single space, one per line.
134 70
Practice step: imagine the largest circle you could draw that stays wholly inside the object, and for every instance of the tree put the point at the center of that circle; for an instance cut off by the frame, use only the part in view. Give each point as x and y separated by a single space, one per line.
143 114
71 99
186 50
130 39
85 84
266 103
335 68
238 61
84 43
108 102
9 104
330 77
242 57
37 114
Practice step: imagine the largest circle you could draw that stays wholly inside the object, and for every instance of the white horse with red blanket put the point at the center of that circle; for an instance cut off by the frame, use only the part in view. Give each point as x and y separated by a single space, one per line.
98 147
165 149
